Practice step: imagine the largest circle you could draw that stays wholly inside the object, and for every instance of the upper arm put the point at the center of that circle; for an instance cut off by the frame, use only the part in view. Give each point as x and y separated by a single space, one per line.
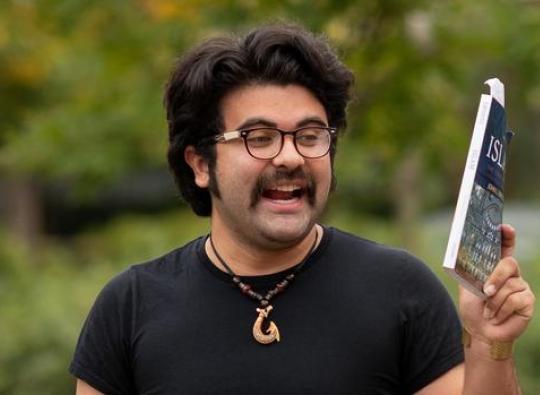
84 389
450 383
101 358
431 340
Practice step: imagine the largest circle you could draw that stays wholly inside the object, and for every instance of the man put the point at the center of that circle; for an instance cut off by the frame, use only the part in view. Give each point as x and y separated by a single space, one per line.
271 301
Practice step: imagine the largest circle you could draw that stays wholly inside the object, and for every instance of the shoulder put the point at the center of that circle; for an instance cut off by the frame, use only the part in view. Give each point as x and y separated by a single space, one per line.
157 272
173 262
366 252
376 264
171 265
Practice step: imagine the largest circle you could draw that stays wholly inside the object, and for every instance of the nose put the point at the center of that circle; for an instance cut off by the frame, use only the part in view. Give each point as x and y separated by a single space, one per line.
288 156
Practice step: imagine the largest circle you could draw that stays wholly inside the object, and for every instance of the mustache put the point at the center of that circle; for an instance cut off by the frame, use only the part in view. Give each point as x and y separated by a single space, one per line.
265 181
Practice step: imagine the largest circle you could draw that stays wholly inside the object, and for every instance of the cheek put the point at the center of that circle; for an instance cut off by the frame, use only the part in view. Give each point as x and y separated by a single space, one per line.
322 173
235 174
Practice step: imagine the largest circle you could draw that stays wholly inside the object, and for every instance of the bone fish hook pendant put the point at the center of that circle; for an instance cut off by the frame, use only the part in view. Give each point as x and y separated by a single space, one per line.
272 333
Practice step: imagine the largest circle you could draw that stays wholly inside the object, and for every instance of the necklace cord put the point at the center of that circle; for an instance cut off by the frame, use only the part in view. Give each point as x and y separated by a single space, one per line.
280 286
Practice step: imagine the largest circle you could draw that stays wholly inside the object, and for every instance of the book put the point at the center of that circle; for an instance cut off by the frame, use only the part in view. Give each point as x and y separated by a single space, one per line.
474 244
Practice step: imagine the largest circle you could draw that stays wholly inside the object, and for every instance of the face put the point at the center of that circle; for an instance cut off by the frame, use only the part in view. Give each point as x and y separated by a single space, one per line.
275 202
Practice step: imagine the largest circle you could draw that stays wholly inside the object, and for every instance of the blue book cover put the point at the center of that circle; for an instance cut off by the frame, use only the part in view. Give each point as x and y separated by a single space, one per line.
474 247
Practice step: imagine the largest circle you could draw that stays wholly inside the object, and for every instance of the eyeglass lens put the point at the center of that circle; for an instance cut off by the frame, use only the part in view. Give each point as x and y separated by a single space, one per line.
265 143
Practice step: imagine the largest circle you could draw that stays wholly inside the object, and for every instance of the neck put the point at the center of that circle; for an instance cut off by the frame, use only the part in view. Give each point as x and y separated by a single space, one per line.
246 259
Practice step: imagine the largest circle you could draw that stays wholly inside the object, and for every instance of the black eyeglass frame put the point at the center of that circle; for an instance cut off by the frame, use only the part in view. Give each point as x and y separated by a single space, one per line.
243 133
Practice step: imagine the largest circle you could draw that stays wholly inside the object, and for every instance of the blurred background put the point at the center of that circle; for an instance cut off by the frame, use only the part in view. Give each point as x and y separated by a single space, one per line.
84 187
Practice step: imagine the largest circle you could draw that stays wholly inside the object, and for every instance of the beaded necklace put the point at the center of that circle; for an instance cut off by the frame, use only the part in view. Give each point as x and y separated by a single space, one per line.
272 332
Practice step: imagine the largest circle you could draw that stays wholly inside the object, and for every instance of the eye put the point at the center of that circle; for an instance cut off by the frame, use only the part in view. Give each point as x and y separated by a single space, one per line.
261 137
310 136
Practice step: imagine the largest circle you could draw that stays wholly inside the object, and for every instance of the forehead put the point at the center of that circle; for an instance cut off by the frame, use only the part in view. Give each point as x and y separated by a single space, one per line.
283 105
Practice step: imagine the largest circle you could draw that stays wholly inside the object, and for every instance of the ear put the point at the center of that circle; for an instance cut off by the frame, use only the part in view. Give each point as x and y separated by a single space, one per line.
199 165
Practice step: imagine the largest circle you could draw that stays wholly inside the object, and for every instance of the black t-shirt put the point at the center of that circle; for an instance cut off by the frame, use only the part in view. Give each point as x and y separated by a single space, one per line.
360 318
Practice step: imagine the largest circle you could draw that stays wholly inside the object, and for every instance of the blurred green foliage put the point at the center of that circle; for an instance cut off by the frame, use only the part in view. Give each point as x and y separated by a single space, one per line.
82 83
81 86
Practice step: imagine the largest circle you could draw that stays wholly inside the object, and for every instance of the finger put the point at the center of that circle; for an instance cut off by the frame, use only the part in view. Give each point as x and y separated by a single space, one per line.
508 330
494 303
508 240
506 268
519 303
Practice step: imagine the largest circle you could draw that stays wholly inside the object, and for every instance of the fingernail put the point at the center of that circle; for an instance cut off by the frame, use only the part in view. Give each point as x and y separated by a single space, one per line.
507 226
488 314
489 290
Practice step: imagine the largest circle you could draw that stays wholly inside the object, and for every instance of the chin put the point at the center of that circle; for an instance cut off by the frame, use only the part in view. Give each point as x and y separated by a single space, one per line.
285 233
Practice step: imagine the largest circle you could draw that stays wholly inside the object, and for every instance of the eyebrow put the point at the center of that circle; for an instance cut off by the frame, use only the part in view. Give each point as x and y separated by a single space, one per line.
260 121
256 121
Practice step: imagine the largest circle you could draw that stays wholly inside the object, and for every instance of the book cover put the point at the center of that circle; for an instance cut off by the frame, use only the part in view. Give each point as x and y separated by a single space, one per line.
474 245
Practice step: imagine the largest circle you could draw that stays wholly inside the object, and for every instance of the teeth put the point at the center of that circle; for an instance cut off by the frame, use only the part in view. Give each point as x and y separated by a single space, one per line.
286 188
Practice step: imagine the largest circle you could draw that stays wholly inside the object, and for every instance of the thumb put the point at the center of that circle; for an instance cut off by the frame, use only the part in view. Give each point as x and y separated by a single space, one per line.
508 240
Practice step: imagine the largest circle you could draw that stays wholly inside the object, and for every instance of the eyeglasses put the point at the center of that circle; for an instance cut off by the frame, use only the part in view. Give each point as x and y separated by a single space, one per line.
267 142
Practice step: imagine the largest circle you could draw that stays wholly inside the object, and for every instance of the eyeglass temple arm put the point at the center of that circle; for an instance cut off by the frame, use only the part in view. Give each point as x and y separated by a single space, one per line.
228 136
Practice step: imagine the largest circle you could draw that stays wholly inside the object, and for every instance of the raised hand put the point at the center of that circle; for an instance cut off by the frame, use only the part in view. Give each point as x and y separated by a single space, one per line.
509 307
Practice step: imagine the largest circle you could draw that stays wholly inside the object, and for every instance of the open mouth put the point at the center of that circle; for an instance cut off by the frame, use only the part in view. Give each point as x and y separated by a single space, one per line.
284 192
286 189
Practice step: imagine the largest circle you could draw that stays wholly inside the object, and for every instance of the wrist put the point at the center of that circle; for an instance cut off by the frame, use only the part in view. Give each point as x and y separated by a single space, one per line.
494 350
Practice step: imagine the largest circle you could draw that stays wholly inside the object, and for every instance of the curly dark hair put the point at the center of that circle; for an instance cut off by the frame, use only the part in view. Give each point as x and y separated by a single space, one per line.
278 54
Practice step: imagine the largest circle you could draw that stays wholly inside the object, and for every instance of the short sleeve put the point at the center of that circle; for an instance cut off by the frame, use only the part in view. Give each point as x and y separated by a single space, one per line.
432 329
102 353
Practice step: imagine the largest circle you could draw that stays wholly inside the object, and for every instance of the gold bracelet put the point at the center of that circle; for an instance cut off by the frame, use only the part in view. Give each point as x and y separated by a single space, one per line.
498 351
